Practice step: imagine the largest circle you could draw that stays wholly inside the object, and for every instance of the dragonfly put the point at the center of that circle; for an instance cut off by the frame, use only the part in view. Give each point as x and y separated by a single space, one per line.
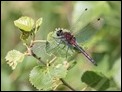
66 37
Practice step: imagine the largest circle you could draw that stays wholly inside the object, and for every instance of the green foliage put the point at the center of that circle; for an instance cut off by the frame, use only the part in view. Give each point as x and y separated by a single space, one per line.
14 57
25 23
95 80
38 24
47 78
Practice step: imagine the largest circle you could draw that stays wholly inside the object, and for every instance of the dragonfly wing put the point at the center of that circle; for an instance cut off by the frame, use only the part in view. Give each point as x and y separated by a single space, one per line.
82 20
87 32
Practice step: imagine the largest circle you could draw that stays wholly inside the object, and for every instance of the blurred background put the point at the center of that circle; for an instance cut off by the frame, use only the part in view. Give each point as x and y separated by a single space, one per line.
104 45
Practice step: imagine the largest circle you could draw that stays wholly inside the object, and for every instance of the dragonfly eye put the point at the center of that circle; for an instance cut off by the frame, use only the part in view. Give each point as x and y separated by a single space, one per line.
59 33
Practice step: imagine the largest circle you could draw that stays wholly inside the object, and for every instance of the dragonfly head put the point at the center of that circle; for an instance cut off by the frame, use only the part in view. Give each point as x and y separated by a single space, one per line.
59 32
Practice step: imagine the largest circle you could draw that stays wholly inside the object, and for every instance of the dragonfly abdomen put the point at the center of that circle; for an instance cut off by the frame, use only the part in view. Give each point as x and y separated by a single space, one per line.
84 53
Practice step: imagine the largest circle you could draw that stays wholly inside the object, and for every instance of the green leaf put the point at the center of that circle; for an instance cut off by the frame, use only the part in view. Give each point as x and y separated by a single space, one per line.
39 78
25 23
38 24
14 57
47 78
58 71
95 80
51 44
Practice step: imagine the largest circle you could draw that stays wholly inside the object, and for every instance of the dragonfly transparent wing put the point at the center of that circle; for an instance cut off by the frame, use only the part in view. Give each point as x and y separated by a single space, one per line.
86 33
84 20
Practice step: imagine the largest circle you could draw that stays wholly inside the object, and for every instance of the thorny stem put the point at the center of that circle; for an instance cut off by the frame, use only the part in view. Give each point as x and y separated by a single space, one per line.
66 84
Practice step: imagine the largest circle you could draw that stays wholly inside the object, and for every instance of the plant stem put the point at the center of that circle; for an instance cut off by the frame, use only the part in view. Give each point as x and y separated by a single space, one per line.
38 58
66 84
30 52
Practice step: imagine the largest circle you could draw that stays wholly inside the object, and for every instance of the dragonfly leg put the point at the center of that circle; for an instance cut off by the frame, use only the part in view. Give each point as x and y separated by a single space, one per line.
55 39
59 38
72 50
67 51
64 46
56 45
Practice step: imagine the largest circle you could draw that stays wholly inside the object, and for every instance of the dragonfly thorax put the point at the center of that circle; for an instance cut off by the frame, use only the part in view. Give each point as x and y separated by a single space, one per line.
60 31
65 36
